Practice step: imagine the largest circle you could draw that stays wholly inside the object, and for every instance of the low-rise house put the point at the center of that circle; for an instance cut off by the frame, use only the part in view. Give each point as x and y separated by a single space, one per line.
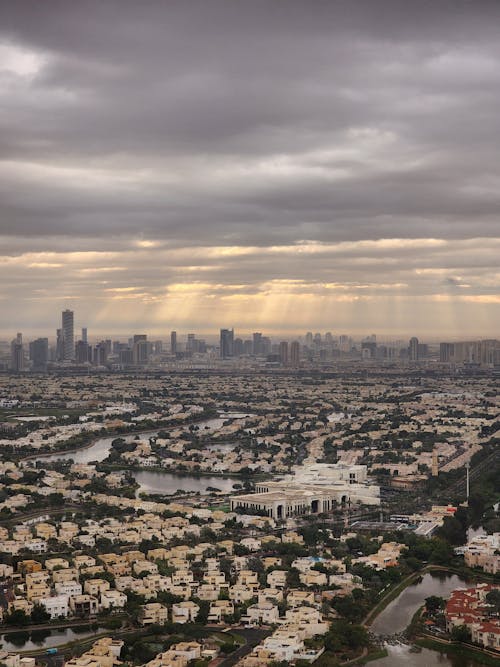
296 598
153 613
220 610
84 605
112 600
277 578
68 588
184 612
313 578
263 613
96 586
57 606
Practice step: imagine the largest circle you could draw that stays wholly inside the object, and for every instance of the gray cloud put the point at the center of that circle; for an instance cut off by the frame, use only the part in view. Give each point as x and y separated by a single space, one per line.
227 123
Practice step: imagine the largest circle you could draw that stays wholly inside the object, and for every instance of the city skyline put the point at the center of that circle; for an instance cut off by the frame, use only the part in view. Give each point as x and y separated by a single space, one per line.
186 165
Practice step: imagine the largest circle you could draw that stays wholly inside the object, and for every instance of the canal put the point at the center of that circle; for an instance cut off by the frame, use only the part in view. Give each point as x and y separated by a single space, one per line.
398 615
158 481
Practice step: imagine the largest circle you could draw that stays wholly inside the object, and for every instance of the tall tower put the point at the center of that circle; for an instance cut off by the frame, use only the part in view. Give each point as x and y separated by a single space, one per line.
68 334
284 352
295 353
84 335
173 342
226 343
257 343
413 349
17 354
39 353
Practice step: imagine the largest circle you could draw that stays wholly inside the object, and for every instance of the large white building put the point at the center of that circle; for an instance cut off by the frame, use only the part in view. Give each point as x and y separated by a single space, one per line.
317 488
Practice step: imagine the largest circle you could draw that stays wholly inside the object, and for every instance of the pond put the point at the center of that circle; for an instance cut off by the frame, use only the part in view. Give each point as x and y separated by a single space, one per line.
99 450
168 483
398 614
402 655
26 641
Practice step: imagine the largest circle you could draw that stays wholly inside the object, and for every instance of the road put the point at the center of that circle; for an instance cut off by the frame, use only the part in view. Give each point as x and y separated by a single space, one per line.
252 638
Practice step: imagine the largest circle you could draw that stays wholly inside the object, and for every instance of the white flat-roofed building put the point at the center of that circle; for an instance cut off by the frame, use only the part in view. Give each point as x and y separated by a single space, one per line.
316 488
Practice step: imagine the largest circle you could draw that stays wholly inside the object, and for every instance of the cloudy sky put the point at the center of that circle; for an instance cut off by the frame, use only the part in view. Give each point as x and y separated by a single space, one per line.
277 166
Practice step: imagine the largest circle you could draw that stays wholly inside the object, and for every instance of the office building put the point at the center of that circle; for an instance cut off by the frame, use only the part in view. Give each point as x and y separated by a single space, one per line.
68 335
17 354
295 353
413 349
283 352
173 342
238 347
83 352
226 343
100 356
39 354
141 350
84 335
257 343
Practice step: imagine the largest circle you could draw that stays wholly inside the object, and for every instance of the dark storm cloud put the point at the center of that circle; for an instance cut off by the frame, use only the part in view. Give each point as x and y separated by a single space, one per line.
248 124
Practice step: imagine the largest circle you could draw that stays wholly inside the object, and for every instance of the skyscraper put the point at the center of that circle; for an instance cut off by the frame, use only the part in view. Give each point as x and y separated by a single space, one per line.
83 352
17 354
173 342
84 335
39 354
284 352
226 343
295 353
413 349
68 335
257 343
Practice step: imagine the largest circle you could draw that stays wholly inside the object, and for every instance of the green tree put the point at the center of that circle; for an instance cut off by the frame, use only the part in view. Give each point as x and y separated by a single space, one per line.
461 633
39 614
493 598
434 604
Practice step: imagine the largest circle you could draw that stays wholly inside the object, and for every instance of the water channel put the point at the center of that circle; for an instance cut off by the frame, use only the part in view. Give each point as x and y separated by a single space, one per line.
398 614
155 481
43 639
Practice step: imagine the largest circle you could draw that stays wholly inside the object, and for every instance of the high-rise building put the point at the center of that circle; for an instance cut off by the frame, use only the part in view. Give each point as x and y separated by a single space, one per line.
190 343
238 347
257 343
226 343
413 349
141 349
309 339
295 353
100 354
446 352
39 354
68 335
84 335
265 345
83 352
283 352
59 345
17 354
173 342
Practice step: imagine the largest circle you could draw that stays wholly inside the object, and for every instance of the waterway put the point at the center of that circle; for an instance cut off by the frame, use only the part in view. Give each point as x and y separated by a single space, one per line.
398 614
43 639
99 450
161 482
166 483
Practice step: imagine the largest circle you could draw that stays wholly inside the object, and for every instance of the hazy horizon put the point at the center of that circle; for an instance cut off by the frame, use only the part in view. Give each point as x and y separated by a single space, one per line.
268 166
